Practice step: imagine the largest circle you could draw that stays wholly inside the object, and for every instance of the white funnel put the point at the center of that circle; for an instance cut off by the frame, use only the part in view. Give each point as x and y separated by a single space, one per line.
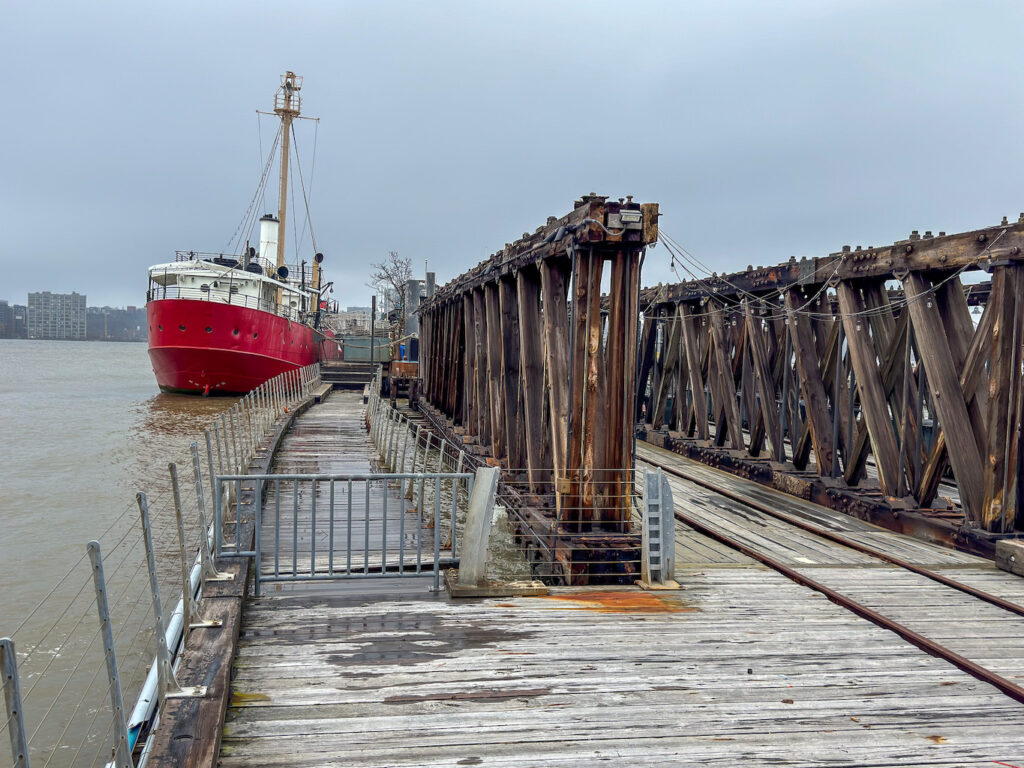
268 238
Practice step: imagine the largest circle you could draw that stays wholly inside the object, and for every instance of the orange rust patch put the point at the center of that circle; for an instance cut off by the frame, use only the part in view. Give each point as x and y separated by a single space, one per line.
623 602
936 739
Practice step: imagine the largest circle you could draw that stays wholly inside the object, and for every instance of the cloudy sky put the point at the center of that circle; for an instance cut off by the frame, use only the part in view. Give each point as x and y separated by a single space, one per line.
765 129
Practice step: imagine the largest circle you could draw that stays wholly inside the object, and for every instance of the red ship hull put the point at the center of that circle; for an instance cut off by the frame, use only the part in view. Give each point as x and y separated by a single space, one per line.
208 347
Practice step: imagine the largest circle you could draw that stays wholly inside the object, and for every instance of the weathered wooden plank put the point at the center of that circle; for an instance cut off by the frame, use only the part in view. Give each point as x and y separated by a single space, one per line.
944 384
872 397
691 345
647 343
511 386
726 382
669 365
589 347
765 385
555 318
970 378
532 367
469 364
996 512
481 388
815 401
499 449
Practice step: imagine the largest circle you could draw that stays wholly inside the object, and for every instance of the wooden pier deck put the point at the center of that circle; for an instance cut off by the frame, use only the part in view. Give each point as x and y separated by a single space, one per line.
741 666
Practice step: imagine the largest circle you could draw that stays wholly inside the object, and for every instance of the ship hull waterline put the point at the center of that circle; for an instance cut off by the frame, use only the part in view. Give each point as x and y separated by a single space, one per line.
207 347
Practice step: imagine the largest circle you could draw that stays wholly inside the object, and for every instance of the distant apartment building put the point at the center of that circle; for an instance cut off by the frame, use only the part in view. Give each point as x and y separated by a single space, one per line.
6 320
56 316
20 321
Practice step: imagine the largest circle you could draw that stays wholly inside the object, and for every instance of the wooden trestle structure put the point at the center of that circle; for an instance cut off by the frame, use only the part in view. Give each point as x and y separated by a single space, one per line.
858 379
521 364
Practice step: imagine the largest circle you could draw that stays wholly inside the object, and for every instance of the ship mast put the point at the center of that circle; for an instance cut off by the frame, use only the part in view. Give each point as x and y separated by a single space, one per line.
287 105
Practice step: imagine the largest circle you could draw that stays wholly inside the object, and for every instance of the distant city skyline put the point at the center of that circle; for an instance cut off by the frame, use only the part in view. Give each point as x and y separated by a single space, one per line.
49 315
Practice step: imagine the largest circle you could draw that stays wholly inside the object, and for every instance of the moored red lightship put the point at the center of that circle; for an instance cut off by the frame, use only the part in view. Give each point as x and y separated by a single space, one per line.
225 323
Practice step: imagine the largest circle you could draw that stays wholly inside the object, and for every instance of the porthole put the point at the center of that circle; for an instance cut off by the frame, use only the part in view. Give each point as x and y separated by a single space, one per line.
235 332
233 289
181 327
209 329
159 327
256 335
205 288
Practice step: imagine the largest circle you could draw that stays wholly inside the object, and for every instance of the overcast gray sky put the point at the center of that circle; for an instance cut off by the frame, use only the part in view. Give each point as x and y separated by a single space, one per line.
447 129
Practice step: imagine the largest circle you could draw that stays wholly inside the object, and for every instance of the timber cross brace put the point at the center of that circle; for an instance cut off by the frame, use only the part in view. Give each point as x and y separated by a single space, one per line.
858 378
522 363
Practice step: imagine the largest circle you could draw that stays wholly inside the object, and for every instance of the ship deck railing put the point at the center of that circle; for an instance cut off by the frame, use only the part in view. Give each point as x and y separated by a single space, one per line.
232 296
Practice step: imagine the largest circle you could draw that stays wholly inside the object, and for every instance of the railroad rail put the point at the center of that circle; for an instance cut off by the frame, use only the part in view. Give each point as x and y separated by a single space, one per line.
677 469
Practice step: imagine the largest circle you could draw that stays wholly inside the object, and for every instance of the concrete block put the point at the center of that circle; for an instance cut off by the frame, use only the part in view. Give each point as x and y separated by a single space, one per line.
1010 555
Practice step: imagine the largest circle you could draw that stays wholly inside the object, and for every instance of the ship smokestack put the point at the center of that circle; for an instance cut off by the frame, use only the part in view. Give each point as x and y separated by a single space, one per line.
268 238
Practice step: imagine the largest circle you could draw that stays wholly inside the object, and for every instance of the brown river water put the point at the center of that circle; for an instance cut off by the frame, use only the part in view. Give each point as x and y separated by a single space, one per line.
84 429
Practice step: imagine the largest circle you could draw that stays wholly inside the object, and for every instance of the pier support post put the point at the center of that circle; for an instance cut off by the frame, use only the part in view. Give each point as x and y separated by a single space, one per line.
15 716
208 569
168 683
122 750
190 611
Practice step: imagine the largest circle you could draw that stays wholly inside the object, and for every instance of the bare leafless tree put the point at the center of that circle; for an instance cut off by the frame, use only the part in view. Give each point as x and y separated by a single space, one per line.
389 279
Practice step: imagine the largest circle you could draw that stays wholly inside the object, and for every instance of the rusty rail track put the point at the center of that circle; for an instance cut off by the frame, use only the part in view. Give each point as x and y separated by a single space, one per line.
1007 687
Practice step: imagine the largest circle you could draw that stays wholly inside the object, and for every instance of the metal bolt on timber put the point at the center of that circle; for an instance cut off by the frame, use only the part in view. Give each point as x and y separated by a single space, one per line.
192 619
15 715
167 682
121 752
208 570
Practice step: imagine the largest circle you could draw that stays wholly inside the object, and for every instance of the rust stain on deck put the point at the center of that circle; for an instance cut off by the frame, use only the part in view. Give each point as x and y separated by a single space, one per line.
624 602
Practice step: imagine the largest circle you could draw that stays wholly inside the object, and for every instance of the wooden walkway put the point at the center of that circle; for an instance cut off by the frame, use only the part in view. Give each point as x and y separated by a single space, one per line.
739 667
370 522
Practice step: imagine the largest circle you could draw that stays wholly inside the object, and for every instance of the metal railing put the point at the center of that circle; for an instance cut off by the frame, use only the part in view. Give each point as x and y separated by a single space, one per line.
95 618
235 298
320 527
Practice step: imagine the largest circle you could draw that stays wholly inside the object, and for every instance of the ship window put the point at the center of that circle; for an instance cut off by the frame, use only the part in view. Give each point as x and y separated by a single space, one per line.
205 287
181 327
209 329
235 332
216 284
159 327
234 289
256 335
